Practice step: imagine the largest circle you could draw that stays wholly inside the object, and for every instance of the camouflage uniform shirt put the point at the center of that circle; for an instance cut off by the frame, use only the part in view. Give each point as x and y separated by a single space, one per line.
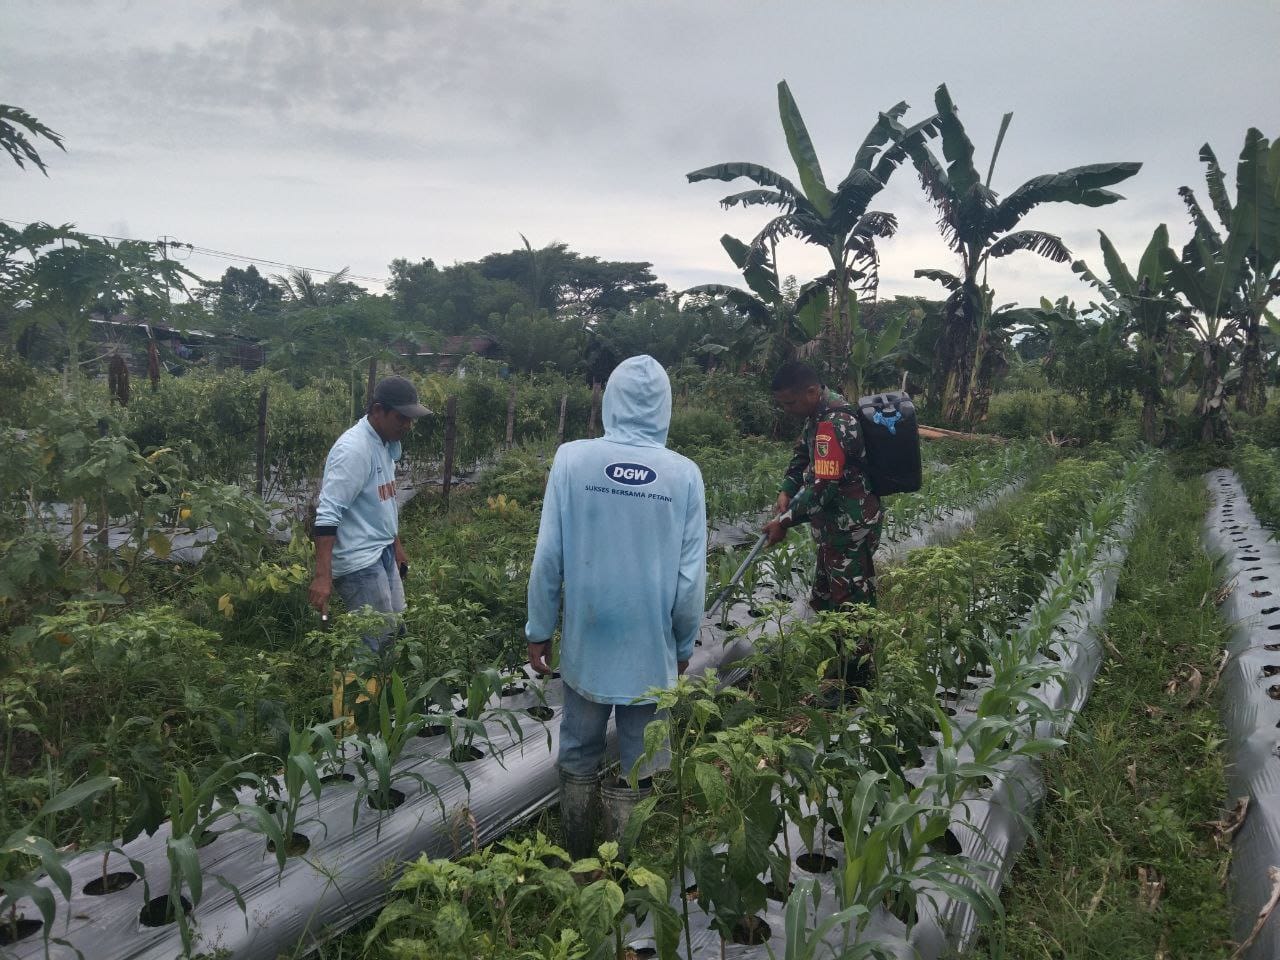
829 491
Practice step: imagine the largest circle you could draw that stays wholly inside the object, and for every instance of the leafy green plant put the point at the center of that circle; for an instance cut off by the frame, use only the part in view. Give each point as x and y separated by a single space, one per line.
398 724
26 845
194 808
280 800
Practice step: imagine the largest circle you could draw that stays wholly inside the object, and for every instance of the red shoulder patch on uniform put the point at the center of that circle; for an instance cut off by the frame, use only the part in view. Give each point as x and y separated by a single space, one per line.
828 454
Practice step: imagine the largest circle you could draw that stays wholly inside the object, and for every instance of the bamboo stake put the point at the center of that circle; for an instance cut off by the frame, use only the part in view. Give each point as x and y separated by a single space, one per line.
937 433
511 415
450 438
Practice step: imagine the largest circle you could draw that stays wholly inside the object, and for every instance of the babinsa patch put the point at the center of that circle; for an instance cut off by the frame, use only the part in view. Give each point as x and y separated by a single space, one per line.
828 455
632 474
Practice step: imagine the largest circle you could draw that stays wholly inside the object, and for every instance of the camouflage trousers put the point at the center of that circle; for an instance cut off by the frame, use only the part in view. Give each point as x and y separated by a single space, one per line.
846 571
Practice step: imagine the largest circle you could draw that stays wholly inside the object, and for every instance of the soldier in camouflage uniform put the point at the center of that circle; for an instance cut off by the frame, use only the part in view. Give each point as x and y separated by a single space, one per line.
825 486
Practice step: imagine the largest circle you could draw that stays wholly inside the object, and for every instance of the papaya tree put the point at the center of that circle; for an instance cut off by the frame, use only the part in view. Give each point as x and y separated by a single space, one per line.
980 227
1250 230
17 130
72 276
838 220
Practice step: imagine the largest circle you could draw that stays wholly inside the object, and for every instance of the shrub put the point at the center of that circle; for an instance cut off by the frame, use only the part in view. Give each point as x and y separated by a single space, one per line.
699 428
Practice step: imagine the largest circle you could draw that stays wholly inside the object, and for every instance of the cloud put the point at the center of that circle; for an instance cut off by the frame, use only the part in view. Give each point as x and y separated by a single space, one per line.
329 132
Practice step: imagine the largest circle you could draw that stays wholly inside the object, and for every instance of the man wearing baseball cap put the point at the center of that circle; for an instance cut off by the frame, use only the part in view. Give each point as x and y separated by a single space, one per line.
356 533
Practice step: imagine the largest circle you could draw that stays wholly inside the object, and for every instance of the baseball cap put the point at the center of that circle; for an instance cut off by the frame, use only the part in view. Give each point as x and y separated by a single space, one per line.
400 395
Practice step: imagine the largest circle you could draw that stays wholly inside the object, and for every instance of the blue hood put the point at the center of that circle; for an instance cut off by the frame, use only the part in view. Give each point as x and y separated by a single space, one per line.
637 403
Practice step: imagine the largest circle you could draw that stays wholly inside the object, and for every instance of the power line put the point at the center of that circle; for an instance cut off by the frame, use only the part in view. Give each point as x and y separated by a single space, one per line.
221 254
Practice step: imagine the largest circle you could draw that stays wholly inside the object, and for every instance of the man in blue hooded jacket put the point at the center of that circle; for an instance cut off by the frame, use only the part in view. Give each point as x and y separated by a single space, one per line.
623 542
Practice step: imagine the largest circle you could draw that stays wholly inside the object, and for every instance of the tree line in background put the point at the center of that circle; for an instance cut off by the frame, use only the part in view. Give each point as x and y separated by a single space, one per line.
1197 318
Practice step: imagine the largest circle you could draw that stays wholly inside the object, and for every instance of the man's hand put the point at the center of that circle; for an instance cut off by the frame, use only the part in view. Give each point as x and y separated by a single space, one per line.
402 559
781 504
540 658
681 667
318 595
774 532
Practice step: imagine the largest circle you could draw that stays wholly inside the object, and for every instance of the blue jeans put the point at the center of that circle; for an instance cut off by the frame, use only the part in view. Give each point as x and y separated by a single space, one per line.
582 735
378 586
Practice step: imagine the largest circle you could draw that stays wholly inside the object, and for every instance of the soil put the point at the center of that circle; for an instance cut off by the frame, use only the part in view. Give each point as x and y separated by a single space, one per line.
815 863
296 847
12 932
394 799
116 880
751 931
155 913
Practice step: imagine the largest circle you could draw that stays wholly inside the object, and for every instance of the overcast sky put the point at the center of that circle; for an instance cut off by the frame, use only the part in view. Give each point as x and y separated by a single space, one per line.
333 133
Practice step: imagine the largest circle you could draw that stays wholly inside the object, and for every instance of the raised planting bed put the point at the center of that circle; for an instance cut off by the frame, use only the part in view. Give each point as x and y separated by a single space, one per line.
249 905
1251 698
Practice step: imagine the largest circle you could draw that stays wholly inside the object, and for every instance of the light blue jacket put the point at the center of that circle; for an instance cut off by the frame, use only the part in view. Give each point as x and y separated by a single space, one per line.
358 496
623 541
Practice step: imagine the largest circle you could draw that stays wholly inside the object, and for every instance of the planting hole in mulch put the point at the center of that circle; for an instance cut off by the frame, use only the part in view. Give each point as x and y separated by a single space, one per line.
902 909
1274 626
1052 654
1273 691
271 806
156 912
393 799
640 953
1256 579
1258 594
332 778
11 931
980 672
697 643
515 690
816 862
1270 670
1271 646
757 613
751 931
541 713
784 597
296 847
1250 559
207 838
1267 610
836 834
434 730
948 844
460 712
465 753
116 880
776 893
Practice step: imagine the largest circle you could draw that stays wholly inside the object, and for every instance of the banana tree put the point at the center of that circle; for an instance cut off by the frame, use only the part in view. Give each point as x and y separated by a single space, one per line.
1251 232
979 226
835 219
1210 281
776 318
1148 305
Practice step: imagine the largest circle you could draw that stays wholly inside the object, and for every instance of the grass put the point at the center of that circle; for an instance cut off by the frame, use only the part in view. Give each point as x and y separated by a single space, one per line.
1122 865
